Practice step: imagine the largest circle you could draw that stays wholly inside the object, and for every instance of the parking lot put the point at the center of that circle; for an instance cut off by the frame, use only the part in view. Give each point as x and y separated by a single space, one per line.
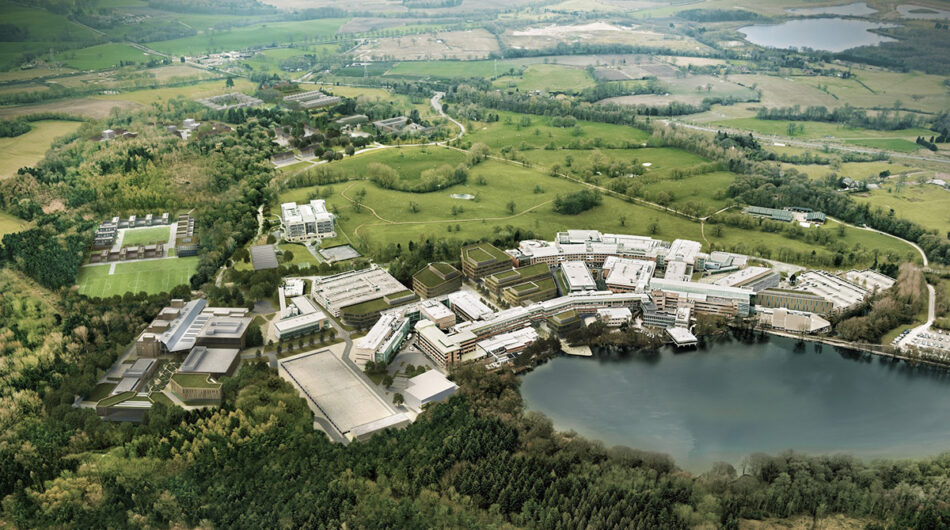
935 342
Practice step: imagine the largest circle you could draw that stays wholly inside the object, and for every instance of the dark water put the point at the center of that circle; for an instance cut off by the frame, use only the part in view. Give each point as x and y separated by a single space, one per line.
830 34
731 400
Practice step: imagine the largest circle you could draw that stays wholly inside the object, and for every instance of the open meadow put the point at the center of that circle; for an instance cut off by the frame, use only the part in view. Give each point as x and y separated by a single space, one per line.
304 31
152 277
10 224
927 205
29 148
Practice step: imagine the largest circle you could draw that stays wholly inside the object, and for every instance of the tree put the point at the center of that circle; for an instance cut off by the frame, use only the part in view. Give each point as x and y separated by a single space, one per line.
349 150
623 220
229 82
511 207
398 399
181 59
387 380
288 256
653 227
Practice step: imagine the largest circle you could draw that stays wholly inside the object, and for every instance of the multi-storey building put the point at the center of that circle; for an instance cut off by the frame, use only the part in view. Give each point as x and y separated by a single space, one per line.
436 279
484 259
794 300
308 221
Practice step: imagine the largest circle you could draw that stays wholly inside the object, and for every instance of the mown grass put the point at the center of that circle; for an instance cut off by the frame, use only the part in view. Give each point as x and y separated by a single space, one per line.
548 77
928 205
409 161
145 236
814 130
152 277
891 144
103 56
500 134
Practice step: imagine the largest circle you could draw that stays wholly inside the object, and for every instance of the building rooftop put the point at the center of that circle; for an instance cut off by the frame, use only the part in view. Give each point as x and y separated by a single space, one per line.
840 292
263 257
677 270
681 336
627 273
743 276
470 304
732 293
428 384
209 360
139 368
355 287
578 276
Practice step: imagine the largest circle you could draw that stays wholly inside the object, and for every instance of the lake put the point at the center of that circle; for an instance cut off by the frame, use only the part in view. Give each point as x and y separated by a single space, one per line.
731 400
829 34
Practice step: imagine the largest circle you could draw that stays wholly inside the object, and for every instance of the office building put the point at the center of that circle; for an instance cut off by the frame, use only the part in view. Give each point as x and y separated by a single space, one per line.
496 283
840 292
678 271
755 278
183 325
530 291
216 362
615 317
484 259
701 297
795 300
307 222
383 340
361 292
312 99
468 306
623 275
438 313
436 279
793 321
444 349
195 388
577 277
869 279
653 317
504 347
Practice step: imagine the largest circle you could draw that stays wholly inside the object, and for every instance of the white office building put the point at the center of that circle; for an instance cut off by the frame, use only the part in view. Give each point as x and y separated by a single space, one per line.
307 222
577 276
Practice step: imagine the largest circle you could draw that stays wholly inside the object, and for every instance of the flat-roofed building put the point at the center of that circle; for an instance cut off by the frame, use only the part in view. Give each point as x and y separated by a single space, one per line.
441 348
624 275
564 321
840 292
312 99
531 291
794 321
436 279
684 250
701 297
577 277
438 313
467 305
725 261
307 222
681 337
615 317
654 318
755 278
870 279
263 257
795 300
677 271
216 362
196 387
383 340
771 214
504 347
429 387
183 325
483 259
351 288
496 283
300 324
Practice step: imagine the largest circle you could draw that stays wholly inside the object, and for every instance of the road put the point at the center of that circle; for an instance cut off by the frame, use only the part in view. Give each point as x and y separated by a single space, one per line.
436 103
931 316
809 144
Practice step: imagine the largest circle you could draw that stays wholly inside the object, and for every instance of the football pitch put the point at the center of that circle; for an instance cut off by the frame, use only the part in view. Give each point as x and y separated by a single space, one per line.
153 277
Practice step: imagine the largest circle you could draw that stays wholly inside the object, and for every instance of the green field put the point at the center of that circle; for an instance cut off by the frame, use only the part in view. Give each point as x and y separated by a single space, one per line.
103 56
145 236
891 144
45 31
10 224
248 36
548 77
499 134
409 161
927 205
28 149
155 276
818 130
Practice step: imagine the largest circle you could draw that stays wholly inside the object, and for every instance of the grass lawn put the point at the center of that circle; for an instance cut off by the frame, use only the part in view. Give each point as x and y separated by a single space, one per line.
249 36
101 391
158 397
10 224
103 56
302 256
195 91
153 277
146 236
891 144
410 162
28 149
817 130
927 204
498 135
548 77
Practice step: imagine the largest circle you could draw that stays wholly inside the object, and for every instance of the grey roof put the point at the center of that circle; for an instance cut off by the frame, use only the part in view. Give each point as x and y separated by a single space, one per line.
139 368
263 257
208 360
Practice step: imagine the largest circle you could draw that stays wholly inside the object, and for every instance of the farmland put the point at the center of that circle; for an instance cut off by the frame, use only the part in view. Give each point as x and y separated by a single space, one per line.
307 31
29 148
153 276
927 204
548 77
103 56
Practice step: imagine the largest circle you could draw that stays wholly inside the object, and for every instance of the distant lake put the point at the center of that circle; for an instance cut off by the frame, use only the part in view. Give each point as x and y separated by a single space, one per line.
857 9
731 400
829 34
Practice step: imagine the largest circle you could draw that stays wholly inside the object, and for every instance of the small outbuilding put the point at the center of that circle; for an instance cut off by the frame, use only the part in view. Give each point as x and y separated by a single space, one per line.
429 387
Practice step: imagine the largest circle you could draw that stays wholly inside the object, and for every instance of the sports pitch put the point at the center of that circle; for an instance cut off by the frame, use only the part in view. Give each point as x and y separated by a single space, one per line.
152 277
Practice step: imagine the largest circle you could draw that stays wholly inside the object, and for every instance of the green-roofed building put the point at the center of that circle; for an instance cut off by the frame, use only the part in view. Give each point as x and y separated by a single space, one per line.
531 291
436 279
365 314
195 388
496 283
483 259
772 214
564 321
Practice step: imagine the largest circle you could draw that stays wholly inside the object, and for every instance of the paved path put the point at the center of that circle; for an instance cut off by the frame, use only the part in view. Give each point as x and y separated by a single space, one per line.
931 316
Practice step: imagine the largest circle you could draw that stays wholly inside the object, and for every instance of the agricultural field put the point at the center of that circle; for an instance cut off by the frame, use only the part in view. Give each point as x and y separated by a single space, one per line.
199 90
89 107
44 30
550 35
927 205
103 56
248 36
863 171
28 149
471 44
817 130
508 131
153 276
890 144
548 78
